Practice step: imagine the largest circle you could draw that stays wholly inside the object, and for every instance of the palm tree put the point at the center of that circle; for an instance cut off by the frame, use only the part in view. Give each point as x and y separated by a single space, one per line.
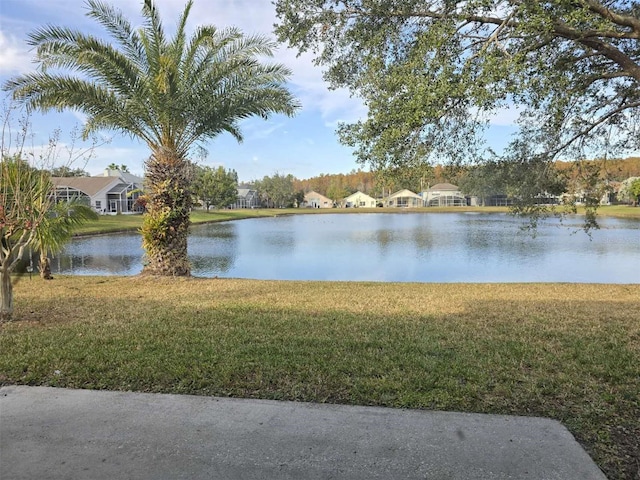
56 230
168 92
25 200
115 166
30 218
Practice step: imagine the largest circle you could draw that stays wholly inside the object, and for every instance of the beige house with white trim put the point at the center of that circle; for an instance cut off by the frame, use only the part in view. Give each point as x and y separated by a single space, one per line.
316 200
359 200
404 199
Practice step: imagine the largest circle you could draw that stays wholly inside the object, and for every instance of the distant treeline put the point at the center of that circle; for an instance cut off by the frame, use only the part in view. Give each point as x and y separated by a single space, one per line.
615 170
378 183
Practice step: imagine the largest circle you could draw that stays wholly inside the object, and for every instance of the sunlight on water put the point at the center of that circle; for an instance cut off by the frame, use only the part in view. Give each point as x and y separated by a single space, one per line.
408 247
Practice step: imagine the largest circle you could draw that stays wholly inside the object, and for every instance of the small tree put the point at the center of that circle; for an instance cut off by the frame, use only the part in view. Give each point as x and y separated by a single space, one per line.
29 216
276 191
299 197
634 189
66 171
122 168
25 200
630 191
216 187
57 228
337 190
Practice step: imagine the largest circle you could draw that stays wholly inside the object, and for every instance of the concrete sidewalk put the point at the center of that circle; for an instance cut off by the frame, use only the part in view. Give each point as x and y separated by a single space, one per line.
50 433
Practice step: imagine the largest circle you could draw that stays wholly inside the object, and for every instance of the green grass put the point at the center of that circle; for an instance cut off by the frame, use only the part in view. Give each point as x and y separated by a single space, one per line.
569 352
121 223
620 211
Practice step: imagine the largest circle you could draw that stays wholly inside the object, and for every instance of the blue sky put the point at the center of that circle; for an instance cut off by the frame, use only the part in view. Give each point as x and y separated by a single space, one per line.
304 146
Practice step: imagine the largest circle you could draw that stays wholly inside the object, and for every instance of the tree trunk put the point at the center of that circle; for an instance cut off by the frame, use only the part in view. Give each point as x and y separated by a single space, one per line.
45 268
166 220
6 297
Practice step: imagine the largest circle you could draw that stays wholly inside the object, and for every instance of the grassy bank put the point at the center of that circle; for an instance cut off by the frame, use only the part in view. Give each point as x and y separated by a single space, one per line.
569 352
619 211
122 223
119 223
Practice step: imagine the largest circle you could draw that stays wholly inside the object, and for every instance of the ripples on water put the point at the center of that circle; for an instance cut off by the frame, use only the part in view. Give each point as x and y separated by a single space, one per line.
409 247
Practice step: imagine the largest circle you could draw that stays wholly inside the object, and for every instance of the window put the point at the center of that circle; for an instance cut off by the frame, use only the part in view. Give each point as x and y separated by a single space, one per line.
98 204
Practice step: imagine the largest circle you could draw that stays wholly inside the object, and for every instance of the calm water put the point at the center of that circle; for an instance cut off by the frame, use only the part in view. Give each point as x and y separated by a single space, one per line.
409 247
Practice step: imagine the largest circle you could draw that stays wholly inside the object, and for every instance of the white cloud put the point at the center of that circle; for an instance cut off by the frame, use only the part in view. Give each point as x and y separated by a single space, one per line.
251 16
80 116
131 157
506 116
14 55
258 17
312 90
259 131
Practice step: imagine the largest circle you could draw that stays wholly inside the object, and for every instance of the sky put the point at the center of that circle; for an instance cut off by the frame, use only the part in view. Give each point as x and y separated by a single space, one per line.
305 145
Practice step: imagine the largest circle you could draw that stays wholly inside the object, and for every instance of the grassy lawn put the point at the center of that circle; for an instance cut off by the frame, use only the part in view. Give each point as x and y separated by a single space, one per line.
565 351
119 223
620 211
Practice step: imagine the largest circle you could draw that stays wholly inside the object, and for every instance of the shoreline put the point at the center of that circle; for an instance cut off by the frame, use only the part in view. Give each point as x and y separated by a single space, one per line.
199 216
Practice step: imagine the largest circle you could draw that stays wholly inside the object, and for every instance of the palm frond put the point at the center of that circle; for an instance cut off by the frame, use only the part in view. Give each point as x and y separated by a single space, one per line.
180 39
58 226
120 28
152 37
170 93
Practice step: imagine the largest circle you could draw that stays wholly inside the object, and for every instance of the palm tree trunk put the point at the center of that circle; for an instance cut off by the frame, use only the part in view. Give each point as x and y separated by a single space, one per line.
6 297
166 220
45 267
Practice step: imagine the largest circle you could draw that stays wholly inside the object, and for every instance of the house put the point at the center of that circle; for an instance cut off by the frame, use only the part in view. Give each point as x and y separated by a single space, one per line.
610 193
610 196
444 195
113 192
404 199
316 200
247 198
359 199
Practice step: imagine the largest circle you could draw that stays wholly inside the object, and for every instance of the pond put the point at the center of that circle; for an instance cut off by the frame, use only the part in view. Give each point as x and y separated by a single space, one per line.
407 247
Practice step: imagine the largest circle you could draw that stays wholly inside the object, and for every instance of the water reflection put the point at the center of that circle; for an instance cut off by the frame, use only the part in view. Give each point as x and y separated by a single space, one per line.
384 247
503 238
213 248
119 254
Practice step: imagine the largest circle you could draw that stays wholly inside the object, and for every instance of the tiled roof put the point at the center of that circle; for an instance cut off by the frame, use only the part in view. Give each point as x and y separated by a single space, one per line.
89 185
444 187
405 193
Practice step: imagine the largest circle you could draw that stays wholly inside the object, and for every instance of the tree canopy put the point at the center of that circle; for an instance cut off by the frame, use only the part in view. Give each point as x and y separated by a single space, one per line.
216 187
433 73
66 171
277 190
115 166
